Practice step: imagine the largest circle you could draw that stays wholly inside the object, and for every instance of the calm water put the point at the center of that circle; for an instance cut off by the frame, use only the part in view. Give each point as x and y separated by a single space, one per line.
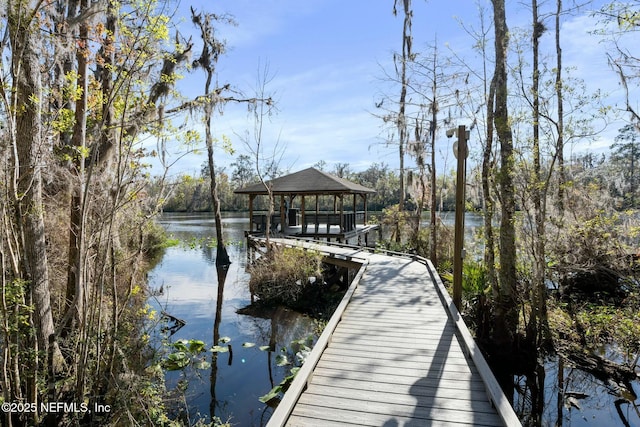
230 391
189 280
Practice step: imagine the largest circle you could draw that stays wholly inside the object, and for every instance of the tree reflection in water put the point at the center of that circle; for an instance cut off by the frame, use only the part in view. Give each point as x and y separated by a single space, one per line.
554 393
222 278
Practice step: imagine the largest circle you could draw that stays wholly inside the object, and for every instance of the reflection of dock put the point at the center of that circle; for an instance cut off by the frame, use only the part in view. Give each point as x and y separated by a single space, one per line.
395 352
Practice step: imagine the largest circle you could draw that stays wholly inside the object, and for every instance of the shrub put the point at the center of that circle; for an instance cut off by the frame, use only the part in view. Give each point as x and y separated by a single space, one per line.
283 274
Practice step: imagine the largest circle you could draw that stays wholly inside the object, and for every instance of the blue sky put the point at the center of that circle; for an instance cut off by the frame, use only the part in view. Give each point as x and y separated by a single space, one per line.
328 59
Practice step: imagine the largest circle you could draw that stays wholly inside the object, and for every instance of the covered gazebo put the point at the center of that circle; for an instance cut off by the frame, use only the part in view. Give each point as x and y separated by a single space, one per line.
310 184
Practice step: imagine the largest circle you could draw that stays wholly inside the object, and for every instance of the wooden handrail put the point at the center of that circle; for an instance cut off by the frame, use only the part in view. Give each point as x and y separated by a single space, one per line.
493 389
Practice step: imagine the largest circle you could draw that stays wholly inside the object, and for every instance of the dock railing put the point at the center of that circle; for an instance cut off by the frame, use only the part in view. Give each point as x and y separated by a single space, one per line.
493 389
346 221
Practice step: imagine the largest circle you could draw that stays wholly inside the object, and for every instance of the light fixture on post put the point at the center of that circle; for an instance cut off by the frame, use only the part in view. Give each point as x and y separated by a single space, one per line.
460 151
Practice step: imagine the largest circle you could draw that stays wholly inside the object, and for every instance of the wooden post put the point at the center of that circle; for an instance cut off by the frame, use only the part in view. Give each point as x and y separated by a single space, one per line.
317 221
458 243
304 227
251 197
365 208
282 214
355 214
342 224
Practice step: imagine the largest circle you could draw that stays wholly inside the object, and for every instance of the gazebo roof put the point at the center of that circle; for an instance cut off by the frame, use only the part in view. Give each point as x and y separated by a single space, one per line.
308 181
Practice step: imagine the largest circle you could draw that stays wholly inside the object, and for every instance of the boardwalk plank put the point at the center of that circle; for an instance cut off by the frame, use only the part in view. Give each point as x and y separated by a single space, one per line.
395 354
319 393
456 365
395 357
375 341
417 390
446 379
430 332
338 375
376 413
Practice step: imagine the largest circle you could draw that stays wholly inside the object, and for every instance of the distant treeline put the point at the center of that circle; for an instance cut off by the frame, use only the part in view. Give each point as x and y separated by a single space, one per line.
187 193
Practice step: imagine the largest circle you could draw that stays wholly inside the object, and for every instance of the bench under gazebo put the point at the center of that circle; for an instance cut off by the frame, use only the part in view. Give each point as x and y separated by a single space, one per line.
344 222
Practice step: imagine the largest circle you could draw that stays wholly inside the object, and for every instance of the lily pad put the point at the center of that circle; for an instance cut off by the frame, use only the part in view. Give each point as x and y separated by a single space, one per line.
219 349
275 392
282 360
202 364
180 345
196 346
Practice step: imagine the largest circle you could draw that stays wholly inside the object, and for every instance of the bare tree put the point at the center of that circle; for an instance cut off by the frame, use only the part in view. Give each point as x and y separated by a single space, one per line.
625 19
265 164
401 119
537 327
211 50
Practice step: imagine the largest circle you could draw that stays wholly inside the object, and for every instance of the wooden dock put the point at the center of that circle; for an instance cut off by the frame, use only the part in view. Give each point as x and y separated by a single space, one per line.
324 227
395 353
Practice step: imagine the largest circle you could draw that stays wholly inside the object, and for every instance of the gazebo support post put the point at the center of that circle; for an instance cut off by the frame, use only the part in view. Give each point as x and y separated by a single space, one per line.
304 227
251 197
355 214
342 223
282 213
317 224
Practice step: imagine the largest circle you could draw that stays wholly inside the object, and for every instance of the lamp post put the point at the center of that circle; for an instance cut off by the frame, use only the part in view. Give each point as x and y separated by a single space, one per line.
460 150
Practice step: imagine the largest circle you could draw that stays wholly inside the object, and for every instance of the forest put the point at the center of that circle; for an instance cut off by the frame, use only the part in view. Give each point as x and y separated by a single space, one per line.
84 83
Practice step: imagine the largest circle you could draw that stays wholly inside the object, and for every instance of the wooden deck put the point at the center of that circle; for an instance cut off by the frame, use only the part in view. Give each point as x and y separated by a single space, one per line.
395 353
359 234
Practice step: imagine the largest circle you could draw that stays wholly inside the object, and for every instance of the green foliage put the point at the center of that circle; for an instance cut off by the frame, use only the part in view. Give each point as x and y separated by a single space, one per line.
396 219
444 247
18 312
625 157
474 279
64 121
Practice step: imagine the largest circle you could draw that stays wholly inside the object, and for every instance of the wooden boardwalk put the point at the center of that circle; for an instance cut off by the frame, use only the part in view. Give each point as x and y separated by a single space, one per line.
395 353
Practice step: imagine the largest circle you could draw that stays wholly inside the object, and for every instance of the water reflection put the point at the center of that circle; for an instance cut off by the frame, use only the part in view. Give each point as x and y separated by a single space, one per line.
222 277
557 394
208 300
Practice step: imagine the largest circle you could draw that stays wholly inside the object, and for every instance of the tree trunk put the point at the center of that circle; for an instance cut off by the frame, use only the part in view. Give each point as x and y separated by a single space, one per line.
562 179
489 205
538 314
26 100
211 50
432 131
402 120
506 315
222 257
75 295
538 319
